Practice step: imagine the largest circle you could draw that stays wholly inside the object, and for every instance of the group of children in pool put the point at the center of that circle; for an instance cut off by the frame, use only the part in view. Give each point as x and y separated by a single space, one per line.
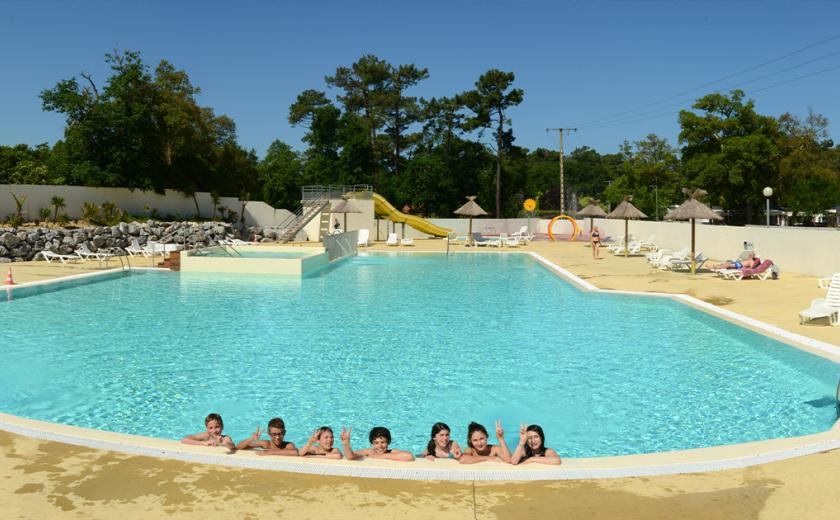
531 447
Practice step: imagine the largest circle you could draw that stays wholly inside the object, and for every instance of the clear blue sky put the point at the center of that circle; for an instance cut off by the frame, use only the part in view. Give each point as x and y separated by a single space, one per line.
577 61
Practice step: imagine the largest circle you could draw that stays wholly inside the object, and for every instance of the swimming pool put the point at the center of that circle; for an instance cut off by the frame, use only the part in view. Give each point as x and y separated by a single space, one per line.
403 341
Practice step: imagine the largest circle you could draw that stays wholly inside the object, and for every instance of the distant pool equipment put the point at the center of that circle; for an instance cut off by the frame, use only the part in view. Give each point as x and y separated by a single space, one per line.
575 228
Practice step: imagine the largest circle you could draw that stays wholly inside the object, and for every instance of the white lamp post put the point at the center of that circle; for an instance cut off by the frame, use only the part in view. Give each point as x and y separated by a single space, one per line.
768 192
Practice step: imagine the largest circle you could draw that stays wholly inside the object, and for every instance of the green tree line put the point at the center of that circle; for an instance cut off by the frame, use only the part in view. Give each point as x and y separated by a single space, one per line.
144 129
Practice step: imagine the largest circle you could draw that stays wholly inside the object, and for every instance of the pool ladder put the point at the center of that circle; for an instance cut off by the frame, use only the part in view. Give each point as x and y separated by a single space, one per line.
837 399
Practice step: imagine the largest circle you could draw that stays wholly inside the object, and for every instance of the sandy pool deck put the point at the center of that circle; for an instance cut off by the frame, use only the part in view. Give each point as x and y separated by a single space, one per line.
44 479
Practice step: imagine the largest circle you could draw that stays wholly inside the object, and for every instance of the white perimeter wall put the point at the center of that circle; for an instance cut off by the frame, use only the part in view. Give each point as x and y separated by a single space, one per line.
133 202
813 251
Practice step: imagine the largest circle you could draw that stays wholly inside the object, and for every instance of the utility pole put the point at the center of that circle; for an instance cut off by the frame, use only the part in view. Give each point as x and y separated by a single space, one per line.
562 178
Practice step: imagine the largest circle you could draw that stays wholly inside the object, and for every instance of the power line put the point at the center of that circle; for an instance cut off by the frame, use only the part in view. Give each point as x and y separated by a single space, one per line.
681 103
749 69
631 121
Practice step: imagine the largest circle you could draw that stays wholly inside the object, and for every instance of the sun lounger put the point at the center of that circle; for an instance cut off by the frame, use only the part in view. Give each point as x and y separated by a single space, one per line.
663 261
392 240
136 249
828 307
685 264
478 241
762 272
364 237
49 256
407 242
86 253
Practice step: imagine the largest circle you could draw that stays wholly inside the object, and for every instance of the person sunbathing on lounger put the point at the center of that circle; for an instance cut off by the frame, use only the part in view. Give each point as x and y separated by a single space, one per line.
750 262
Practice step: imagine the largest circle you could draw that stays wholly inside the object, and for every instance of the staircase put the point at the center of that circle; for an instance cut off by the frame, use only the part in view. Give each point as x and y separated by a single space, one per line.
302 217
173 262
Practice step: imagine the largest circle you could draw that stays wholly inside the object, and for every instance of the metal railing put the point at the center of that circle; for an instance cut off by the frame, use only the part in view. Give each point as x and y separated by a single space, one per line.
341 245
336 191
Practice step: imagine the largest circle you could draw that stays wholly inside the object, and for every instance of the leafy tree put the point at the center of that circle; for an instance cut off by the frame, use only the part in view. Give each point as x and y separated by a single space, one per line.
809 177
730 150
650 173
489 102
281 173
401 111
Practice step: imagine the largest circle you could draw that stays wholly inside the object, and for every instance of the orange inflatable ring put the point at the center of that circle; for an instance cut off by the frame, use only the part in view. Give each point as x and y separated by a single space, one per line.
575 228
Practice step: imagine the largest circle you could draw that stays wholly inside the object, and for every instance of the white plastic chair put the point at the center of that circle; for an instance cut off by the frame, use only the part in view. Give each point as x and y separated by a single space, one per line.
828 307
392 239
364 237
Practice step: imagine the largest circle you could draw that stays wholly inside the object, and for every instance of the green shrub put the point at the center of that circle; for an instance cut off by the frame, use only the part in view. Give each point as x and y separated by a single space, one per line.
63 219
90 212
14 220
45 214
111 214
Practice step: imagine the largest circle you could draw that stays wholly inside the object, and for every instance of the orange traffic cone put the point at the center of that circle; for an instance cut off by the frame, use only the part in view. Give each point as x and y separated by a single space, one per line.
9 279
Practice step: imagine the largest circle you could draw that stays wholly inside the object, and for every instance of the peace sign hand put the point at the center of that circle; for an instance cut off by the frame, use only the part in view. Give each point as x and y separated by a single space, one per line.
500 433
313 439
345 434
256 435
523 433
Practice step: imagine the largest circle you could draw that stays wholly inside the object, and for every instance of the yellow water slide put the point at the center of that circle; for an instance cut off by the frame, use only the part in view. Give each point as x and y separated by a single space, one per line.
383 208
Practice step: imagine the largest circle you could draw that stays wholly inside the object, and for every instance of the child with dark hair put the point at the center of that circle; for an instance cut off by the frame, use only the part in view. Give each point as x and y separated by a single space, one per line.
276 445
531 448
477 448
380 440
320 443
441 445
213 436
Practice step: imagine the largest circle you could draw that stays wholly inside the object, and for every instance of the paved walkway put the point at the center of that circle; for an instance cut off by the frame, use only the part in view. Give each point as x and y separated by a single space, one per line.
41 479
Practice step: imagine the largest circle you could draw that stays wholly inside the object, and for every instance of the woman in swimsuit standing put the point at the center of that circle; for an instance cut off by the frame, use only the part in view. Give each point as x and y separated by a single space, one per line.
595 238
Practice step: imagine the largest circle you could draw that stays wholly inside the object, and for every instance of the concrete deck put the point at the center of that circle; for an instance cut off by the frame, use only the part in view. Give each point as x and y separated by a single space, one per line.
43 479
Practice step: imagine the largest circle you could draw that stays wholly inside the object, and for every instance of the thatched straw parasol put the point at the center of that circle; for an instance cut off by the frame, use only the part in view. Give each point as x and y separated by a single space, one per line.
592 210
345 206
692 209
470 209
627 211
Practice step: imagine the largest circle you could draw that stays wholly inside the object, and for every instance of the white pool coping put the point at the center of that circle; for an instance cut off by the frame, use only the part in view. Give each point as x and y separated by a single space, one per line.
698 460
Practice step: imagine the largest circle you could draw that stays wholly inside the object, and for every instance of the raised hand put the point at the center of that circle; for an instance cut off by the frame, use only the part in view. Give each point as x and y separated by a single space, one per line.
500 433
313 439
523 433
256 435
456 451
345 434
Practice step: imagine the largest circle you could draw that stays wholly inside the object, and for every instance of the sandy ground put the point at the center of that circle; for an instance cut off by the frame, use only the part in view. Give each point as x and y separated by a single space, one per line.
40 479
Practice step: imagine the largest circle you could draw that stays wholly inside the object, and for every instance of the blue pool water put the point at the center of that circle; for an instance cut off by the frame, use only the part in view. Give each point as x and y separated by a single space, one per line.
403 341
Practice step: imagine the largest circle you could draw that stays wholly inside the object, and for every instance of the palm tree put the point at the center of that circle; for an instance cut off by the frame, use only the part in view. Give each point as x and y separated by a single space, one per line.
57 203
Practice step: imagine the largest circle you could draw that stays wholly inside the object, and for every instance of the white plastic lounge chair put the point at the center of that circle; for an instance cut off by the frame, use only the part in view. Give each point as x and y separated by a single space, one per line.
828 307
136 249
478 240
682 254
762 272
522 236
825 283
407 242
633 248
454 238
364 237
649 244
685 264
392 239
86 253
505 240
49 256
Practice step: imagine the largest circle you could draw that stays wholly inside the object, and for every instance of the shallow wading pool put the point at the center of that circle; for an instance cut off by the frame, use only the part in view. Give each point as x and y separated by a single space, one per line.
402 341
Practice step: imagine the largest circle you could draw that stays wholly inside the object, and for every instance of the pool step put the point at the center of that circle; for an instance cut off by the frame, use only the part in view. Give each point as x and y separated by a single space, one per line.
173 262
